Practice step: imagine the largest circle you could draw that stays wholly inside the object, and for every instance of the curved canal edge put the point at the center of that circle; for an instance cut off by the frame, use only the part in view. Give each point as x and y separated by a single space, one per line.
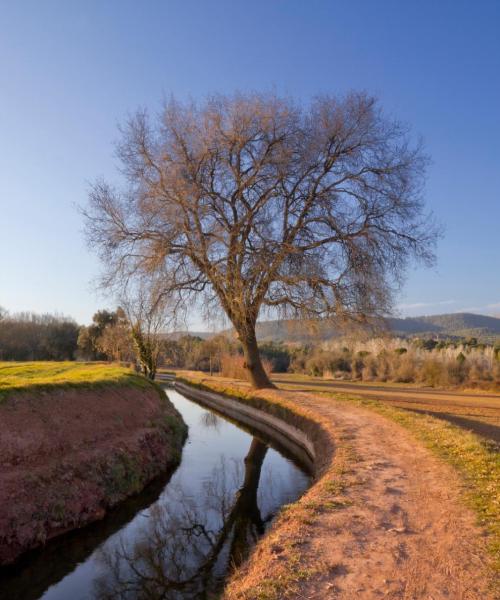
293 439
276 564
384 515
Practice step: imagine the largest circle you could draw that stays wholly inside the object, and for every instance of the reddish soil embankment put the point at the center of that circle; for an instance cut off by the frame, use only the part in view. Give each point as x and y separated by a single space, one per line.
67 455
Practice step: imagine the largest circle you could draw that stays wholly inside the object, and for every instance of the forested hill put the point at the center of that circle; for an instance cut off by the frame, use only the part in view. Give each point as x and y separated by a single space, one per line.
454 325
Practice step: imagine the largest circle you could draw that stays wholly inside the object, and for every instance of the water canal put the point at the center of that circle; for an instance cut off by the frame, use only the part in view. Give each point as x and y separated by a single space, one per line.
182 535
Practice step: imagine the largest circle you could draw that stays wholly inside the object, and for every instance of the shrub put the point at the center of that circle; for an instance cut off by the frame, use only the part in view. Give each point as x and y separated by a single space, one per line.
277 354
387 359
369 372
357 366
431 372
456 373
406 370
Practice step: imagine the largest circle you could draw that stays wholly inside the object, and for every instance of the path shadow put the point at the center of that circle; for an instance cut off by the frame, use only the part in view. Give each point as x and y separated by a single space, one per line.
486 430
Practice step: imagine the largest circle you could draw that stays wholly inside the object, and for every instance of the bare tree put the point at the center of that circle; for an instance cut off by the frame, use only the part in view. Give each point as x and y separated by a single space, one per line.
258 203
146 311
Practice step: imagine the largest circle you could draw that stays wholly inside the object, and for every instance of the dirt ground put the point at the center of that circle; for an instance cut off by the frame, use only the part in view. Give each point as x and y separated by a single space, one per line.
69 454
478 411
398 529
406 534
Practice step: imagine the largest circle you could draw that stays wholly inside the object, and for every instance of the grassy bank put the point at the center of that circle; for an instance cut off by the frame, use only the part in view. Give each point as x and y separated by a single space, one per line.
36 376
75 440
476 460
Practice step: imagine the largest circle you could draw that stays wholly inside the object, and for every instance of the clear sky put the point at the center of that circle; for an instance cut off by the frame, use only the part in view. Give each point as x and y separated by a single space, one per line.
70 71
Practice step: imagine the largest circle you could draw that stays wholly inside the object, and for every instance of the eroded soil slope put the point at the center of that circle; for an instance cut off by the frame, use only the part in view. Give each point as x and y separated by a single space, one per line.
67 455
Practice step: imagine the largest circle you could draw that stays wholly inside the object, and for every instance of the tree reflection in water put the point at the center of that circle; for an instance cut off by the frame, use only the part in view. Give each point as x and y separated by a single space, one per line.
210 420
188 544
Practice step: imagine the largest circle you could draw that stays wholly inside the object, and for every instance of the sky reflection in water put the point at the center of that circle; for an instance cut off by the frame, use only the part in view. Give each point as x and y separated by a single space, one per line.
218 502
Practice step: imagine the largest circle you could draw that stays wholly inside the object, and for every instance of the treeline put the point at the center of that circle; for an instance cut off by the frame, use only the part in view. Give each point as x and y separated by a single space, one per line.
29 336
111 336
426 361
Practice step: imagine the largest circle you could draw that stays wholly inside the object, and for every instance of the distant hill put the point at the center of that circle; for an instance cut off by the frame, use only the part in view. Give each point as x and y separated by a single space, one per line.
177 335
454 325
449 326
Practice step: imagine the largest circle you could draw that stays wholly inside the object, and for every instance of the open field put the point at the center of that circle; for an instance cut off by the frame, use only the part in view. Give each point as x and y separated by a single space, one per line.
31 376
475 411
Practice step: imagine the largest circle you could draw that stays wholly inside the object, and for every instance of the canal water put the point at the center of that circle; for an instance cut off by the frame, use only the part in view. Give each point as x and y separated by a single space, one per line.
181 537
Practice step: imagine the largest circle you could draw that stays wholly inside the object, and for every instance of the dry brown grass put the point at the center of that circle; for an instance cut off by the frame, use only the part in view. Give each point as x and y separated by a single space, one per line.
478 412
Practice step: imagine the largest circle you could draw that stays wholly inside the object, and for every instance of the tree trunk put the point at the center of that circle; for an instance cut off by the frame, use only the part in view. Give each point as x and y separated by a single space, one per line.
253 363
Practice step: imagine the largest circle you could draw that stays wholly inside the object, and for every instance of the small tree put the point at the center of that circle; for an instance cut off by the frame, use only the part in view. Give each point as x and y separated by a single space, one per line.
258 203
89 337
146 311
116 339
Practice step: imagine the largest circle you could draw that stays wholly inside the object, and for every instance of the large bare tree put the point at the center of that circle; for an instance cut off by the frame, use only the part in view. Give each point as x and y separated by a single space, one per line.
257 202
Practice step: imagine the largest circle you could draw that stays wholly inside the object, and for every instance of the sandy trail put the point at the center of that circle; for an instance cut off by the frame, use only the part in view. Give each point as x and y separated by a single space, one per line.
407 534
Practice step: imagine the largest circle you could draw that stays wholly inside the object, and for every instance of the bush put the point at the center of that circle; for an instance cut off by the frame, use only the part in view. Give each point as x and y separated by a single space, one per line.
369 371
456 373
431 372
232 365
388 359
406 370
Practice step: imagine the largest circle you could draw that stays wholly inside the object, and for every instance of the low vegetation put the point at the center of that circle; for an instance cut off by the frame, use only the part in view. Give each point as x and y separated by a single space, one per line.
115 336
425 361
29 376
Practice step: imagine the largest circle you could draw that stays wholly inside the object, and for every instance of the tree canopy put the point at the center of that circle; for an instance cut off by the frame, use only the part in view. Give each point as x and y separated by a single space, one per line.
257 202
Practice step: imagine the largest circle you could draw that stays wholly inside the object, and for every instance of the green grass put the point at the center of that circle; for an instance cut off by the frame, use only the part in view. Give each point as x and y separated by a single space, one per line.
477 460
36 376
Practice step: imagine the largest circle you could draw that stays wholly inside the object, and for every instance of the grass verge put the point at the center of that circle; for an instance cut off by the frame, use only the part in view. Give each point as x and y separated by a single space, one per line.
39 376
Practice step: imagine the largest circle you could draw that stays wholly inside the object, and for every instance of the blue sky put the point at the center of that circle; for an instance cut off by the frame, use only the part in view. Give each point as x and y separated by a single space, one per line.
71 71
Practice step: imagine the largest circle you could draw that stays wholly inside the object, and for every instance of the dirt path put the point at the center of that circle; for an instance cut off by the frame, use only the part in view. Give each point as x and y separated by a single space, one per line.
406 534
479 412
398 529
